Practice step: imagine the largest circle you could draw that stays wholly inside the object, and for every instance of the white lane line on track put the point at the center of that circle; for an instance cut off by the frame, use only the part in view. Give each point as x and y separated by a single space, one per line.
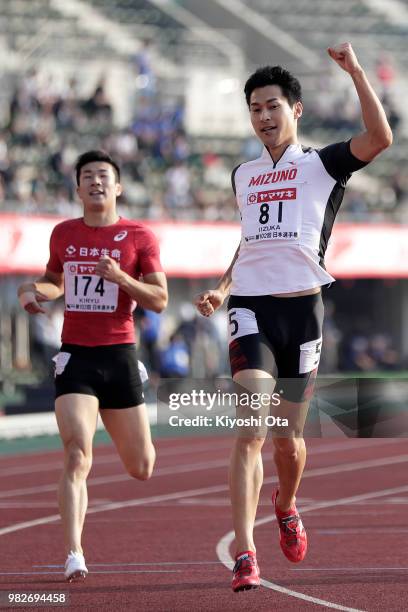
95 572
115 506
182 469
137 564
364 530
183 450
345 467
112 458
347 569
225 542
102 480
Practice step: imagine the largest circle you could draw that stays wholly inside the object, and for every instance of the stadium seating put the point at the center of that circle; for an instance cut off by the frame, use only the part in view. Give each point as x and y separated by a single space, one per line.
39 31
36 29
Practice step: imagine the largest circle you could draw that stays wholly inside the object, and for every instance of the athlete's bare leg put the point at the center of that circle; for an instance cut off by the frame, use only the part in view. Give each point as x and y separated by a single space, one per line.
246 470
130 431
76 417
290 452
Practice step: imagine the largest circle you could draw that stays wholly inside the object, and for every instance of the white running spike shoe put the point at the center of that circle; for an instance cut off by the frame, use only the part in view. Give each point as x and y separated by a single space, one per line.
75 568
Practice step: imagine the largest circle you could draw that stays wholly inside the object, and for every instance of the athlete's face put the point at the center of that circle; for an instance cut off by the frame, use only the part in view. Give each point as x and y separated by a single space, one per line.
272 117
98 186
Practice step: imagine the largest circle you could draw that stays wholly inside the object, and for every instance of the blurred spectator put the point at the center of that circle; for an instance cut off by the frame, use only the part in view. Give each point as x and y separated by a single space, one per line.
149 323
146 78
381 350
355 204
385 72
357 355
393 116
331 339
399 183
178 188
370 353
98 106
174 358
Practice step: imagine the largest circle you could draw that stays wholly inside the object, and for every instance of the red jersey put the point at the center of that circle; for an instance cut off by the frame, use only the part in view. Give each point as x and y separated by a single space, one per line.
97 312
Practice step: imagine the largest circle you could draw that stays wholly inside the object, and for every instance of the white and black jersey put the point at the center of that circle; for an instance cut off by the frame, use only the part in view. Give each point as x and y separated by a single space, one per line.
287 213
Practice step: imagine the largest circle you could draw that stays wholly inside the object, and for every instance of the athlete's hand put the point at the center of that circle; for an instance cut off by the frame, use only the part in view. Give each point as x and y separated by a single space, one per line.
345 57
208 301
109 269
30 300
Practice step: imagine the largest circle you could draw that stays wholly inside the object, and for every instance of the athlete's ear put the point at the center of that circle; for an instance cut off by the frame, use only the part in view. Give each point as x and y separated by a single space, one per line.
297 110
118 189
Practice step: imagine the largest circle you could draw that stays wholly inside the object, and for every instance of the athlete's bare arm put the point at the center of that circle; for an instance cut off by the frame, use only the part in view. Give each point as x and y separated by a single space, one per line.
208 301
150 294
48 287
378 134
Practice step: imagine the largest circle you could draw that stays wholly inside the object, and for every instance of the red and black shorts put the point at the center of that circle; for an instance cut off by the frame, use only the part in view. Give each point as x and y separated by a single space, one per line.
108 372
281 336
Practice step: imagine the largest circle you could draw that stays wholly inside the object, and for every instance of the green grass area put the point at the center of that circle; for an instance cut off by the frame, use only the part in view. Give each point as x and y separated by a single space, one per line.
18 446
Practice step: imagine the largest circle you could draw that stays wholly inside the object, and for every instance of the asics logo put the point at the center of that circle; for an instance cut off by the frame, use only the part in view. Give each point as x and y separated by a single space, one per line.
120 236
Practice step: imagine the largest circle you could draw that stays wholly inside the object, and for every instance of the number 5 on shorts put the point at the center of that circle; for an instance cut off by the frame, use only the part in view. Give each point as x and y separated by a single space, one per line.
242 322
233 322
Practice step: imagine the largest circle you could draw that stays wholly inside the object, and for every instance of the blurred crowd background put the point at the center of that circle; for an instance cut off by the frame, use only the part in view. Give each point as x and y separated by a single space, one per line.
167 172
160 86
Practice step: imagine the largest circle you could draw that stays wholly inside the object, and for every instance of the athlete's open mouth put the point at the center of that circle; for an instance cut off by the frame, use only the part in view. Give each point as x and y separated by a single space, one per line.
96 192
268 129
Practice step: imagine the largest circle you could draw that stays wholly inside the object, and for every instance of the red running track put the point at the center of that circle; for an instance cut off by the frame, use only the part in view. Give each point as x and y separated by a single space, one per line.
161 545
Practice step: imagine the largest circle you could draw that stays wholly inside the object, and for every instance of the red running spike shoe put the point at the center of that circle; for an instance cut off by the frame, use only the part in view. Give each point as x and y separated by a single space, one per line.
245 574
292 534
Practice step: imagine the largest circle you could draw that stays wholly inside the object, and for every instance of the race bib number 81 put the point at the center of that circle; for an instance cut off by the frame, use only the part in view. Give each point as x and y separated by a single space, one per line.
87 292
274 214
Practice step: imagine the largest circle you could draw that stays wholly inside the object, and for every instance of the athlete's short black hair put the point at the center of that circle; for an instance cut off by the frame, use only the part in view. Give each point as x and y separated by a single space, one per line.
96 155
274 75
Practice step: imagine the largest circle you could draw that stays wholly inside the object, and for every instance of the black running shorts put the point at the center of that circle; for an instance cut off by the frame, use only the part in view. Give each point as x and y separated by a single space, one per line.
282 336
108 372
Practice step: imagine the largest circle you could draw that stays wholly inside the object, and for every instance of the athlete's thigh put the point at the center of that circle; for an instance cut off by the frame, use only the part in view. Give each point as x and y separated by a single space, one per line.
254 379
289 418
254 389
123 387
129 429
77 416
298 362
249 348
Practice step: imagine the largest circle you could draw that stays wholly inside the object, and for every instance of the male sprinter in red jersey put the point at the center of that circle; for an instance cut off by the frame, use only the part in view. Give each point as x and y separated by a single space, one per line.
98 261
288 200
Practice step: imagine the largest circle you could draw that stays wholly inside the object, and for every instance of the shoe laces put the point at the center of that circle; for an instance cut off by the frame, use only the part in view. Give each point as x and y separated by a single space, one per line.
244 565
75 555
289 526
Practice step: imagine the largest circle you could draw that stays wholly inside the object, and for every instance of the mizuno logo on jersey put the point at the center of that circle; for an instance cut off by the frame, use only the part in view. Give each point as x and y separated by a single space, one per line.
273 177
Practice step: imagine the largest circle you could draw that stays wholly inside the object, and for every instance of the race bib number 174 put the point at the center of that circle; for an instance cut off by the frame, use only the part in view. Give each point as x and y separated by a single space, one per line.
87 292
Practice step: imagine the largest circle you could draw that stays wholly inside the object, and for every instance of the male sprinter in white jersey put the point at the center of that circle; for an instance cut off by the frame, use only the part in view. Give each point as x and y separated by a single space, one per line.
97 260
288 200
